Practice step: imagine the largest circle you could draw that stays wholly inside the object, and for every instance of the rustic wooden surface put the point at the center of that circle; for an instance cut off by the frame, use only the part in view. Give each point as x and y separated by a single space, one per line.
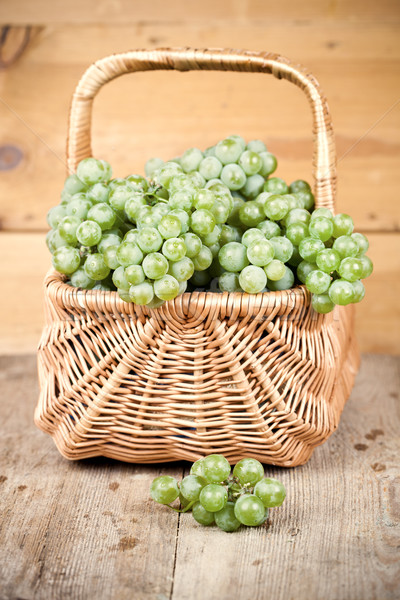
353 48
88 530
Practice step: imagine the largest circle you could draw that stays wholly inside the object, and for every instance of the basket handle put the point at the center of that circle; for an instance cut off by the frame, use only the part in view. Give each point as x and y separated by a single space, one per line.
183 59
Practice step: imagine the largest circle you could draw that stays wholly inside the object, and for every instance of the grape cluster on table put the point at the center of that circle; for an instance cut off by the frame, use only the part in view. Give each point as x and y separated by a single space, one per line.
214 495
206 220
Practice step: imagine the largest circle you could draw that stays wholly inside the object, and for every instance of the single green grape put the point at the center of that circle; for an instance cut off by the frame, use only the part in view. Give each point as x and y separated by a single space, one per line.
229 282
204 199
129 253
191 486
149 239
155 265
367 266
152 165
342 225
79 279
296 233
249 510
351 269
67 229
251 214
110 256
318 281
269 229
166 288
250 162
98 193
359 291
268 164
212 237
228 151
322 212
299 185
164 489
213 497
256 146
251 235
216 468
253 186
328 260
252 279
210 167
307 199
283 248
362 243
229 234
193 244
309 247
233 176
225 518
108 239
183 218
201 515
197 468
322 303
79 206
276 207
248 470
91 170
271 492
55 216
202 222
233 257
174 249
304 269
66 260
346 246
142 293
321 227
191 159
341 292
103 215
95 267
120 195
275 185
134 205
120 279
233 218
74 185
285 283
170 226
260 252
134 274
182 199
275 270
182 269
89 233
203 259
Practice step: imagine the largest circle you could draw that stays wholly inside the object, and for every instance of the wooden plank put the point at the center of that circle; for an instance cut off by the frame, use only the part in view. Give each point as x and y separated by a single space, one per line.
88 529
132 123
102 11
336 535
71 530
26 260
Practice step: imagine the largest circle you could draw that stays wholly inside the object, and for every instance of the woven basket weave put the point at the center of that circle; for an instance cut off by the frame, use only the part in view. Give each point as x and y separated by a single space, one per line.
243 375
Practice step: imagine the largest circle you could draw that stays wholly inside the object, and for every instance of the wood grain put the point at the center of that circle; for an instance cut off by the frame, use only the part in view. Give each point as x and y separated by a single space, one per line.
26 260
88 529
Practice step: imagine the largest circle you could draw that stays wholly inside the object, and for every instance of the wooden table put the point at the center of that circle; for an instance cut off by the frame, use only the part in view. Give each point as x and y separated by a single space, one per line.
88 530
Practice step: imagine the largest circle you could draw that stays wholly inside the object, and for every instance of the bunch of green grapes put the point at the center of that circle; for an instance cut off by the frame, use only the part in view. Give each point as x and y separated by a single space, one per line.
215 495
211 220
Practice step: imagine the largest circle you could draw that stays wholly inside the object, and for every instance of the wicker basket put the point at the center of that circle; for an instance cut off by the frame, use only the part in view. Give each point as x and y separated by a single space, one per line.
243 375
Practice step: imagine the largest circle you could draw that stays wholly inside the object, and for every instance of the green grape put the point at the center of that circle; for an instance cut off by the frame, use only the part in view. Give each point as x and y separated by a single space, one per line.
134 205
124 295
228 151
283 248
193 244
88 233
275 270
248 470
342 225
120 279
95 267
260 252
108 239
191 486
299 186
341 292
202 222
166 288
191 159
66 260
309 247
238 139
166 173
152 165
148 217
322 212
345 246
359 291
181 199
183 218
251 214
212 237
54 240
367 266
256 146
229 282
174 249
120 195
263 198
182 269
251 235
138 183
117 182
91 170
268 164
269 229
215 248
271 492
276 207
55 216
285 283
155 303
250 162
160 210
170 226
110 256
296 233
180 182
233 257
164 489
201 515
213 497
275 185
304 269
149 240
233 218
79 279
351 269
134 274
155 265
318 282
210 167
129 253
249 510
229 234
253 186
216 468
67 229
197 180
210 151
307 199
297 215
204 199
321 227
73 185
252 279
328 260
78 206
203 259
233 176
221 209
142 293
225 518
197 468
322 303
362 243
103 215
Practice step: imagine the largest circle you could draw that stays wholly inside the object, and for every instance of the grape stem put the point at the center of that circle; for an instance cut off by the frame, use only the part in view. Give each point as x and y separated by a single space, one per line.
178 510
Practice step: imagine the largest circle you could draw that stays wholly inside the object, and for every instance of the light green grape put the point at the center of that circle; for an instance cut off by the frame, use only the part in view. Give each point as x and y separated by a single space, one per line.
252 279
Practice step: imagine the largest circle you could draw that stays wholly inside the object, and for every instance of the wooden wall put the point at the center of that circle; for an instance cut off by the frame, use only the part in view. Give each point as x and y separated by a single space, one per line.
352 47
